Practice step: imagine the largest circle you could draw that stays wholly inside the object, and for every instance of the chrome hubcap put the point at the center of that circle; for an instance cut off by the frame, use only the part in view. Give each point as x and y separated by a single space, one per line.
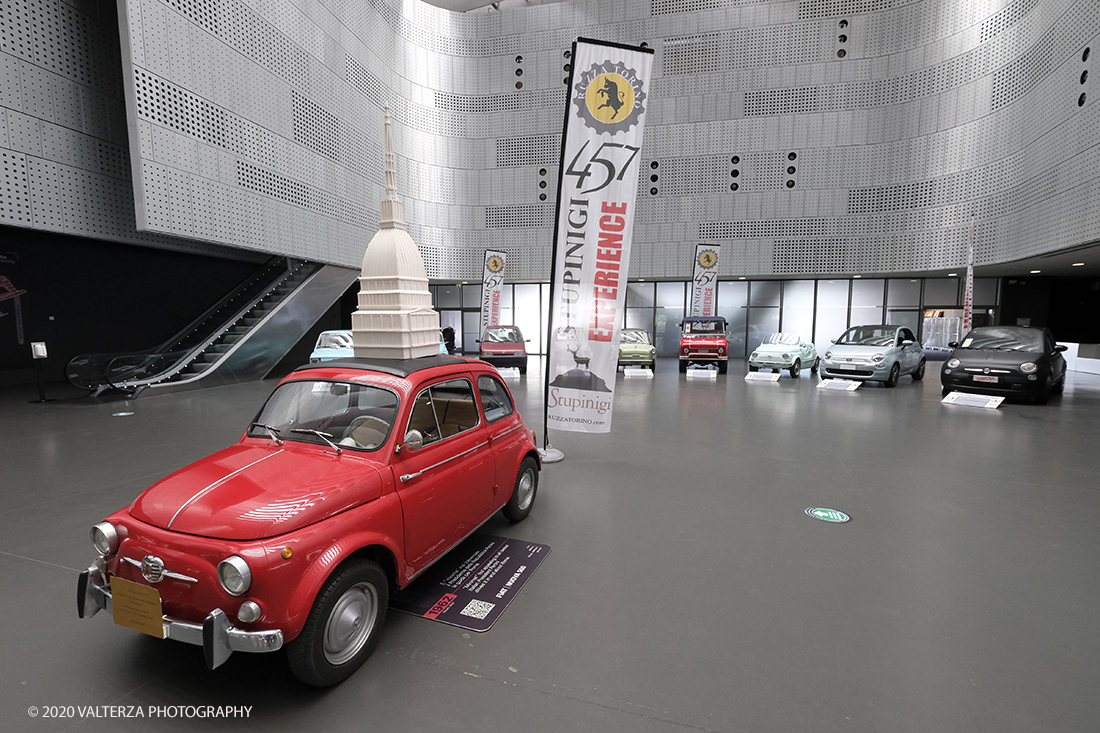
525 489
350 623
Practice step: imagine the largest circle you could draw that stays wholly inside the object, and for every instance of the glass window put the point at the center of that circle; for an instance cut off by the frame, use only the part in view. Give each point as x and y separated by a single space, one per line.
867 301
639 318
448 296
527 314
506 296
941 292
832 310
733 297
667 330
762 323
671 295
639 295
903 292
908 318
471 323
443 410
494 398
353 415
798 307
471 295
985 291
764 292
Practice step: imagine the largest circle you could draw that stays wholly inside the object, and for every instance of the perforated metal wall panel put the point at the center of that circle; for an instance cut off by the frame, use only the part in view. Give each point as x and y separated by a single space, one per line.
807 136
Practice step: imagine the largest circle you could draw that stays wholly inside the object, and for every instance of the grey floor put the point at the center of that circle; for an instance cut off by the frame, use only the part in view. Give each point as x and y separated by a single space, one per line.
687 590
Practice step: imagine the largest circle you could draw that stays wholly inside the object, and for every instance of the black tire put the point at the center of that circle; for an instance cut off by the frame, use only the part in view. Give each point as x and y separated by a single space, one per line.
523 493
753 368
796 369
895 375
343 626
1042 397
683 366
817 363
723 366
523 369
1061 386
919 374
946 391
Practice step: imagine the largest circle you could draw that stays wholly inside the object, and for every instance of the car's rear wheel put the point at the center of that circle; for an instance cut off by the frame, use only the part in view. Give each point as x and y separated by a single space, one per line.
919 374
523 493
796 368
343 625
895 375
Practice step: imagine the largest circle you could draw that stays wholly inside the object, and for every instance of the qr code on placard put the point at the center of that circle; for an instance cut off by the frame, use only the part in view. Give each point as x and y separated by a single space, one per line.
477 609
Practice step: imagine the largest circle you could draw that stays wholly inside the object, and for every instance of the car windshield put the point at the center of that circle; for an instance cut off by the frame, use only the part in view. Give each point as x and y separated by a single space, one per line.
334 340
788 339
502 335
633 336
868 336
704 329
1004 338
357 416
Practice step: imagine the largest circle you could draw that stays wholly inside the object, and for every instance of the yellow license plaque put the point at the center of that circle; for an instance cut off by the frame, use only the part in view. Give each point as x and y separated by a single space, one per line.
137 607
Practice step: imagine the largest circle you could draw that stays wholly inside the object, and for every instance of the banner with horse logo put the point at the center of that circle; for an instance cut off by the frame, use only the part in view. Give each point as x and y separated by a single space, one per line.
704 280
597 188
492 288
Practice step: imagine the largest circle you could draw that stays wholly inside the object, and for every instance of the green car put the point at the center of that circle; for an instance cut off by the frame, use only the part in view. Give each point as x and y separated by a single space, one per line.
636 348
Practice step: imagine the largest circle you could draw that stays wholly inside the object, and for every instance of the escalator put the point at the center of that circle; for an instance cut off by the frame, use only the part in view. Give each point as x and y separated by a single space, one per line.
240 338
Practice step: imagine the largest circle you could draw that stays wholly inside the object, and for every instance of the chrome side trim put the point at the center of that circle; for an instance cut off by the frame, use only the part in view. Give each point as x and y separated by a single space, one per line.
509 430
217 483
166 573
408 476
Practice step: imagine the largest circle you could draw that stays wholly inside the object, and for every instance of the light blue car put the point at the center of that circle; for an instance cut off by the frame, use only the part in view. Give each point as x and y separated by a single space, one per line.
337 345
332 345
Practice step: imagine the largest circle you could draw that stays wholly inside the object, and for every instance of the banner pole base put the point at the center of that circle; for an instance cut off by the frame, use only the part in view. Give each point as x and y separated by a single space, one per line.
550 454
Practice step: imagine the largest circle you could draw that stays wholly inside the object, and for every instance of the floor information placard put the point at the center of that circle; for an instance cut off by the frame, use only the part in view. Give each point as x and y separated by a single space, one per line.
473 584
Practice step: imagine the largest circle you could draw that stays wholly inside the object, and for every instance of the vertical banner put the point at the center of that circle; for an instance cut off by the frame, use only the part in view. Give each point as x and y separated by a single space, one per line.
704 280
597 186
492 285
968 292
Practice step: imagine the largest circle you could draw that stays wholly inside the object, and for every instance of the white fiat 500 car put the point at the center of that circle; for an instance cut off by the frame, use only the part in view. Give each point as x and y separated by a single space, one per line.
784 351
879 353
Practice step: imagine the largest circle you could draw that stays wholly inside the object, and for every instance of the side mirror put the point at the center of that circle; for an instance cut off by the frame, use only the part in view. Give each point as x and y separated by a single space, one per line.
527 340
907 342
953 344
1060 347
477 341
832 341
414 441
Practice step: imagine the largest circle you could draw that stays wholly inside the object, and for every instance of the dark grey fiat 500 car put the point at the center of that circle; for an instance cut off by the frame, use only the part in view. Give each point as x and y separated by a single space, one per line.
1006 360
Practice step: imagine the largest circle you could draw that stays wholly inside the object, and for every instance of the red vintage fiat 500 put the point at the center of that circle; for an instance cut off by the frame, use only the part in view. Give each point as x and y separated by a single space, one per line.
704 341
352 480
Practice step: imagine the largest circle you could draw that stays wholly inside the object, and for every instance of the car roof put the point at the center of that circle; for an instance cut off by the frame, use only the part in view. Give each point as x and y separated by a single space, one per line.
395 367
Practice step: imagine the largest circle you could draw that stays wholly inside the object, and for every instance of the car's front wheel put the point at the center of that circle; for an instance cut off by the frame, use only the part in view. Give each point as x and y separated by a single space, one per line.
919 374
343 625
523 493
816 366
796 368
753 368
723 366
946 391
895 375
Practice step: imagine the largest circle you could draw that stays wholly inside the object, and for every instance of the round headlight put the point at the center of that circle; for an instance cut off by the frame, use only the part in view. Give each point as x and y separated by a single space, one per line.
105 538
721 350
754 355
828 355
685 350
786 356
952 363
234 575
877 357
1029 367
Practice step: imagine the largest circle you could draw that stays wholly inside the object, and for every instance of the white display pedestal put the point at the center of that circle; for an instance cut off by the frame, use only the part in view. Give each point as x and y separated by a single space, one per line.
839 385
693 373
509 372
644 372
762 377
973 400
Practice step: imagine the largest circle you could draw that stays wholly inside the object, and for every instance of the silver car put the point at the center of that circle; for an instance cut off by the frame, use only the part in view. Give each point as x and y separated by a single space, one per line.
879 353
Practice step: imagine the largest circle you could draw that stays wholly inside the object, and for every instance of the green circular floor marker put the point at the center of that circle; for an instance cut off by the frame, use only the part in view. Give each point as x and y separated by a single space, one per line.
828 515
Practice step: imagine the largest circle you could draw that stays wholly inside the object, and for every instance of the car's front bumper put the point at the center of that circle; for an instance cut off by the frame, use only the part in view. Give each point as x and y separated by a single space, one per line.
770 363
635 359
1007 384
216 635
506 360
856 370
